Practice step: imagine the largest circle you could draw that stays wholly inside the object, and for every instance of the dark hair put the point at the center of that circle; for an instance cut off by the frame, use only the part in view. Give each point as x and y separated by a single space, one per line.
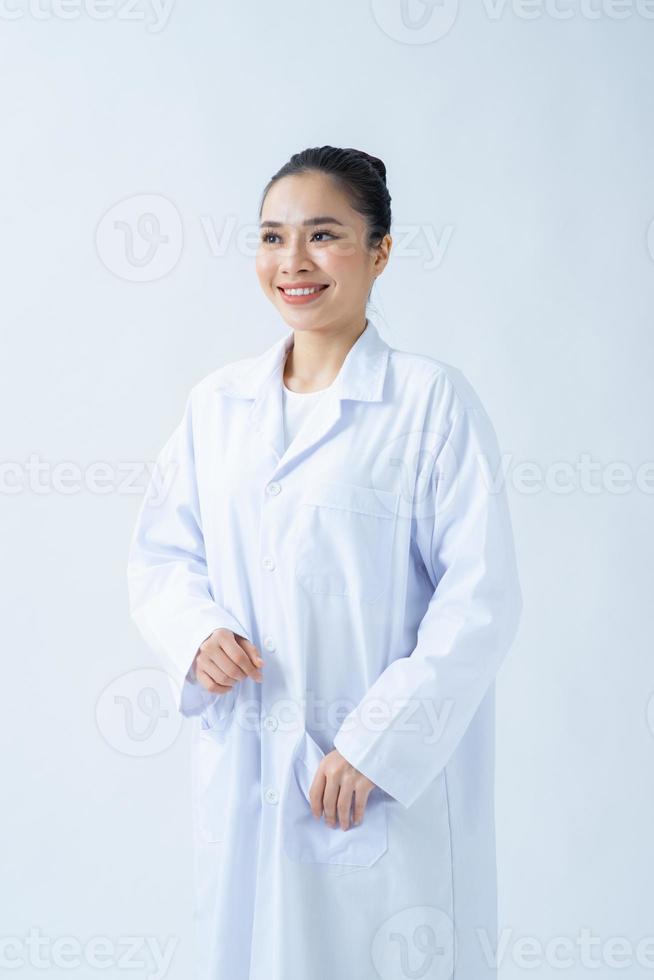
360 176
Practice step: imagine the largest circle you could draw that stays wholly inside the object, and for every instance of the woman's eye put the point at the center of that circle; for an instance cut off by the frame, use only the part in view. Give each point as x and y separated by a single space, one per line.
267 235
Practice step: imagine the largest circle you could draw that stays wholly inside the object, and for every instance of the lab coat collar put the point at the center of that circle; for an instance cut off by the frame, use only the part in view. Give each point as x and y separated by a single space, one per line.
361 376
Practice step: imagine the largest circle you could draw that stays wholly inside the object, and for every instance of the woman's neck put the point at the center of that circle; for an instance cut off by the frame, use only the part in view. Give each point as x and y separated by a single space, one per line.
316 357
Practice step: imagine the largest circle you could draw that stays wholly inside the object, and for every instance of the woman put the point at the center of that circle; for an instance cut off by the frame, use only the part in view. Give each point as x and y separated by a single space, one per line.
331 580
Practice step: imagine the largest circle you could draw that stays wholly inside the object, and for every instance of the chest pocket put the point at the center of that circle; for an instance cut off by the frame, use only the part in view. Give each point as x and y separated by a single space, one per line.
345 540
313 841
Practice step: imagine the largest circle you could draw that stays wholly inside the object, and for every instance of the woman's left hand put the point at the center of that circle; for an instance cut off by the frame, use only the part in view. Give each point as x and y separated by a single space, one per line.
334 785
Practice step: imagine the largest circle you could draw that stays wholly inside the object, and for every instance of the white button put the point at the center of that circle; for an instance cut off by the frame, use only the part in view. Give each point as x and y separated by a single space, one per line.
273 489
271 796
268 563
271 723
269 643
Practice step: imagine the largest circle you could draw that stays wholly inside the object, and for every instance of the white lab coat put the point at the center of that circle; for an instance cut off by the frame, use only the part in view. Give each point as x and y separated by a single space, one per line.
372 563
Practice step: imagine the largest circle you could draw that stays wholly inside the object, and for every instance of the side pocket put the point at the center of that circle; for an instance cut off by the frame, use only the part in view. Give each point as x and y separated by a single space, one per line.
312 841
210 752
218 716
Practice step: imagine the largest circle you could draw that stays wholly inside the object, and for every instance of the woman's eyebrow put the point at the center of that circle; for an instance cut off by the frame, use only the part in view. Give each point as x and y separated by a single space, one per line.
323 220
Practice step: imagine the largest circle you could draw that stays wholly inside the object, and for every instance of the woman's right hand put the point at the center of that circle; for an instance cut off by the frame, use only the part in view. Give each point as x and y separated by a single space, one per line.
225 658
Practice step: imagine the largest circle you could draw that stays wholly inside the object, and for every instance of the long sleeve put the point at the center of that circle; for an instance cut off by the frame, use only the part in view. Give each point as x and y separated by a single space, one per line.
465 540
170 597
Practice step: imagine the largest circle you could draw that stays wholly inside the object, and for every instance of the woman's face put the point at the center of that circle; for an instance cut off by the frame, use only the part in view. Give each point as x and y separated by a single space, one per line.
297 250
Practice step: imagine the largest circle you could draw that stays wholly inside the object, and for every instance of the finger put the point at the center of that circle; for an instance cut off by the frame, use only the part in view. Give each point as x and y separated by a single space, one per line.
209 684
215 662
218 656
238 656
207 663
226 665
316 791
361 795
344 802
251 650
329 799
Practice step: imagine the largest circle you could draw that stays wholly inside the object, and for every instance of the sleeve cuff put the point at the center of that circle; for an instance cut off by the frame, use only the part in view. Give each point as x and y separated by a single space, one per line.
391 782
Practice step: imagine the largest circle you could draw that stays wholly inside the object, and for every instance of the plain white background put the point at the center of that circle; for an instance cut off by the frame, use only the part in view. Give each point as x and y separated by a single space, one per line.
520 152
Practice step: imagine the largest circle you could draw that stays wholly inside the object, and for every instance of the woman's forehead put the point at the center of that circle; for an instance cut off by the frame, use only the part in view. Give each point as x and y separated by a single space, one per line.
300 198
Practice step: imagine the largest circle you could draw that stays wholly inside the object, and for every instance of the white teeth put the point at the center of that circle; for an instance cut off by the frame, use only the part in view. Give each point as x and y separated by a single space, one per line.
303 292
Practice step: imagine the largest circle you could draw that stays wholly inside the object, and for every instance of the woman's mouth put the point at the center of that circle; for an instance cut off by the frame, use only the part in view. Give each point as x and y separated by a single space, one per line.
300 295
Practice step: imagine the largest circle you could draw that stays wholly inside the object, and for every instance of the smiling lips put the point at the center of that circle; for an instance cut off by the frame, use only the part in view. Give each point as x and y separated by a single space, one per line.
301 293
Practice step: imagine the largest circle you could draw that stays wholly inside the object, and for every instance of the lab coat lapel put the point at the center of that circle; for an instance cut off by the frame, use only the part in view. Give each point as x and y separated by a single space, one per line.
260 381
267 417
319 423
361 377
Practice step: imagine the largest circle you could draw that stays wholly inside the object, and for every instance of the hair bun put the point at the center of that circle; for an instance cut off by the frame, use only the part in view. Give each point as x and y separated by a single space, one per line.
374 162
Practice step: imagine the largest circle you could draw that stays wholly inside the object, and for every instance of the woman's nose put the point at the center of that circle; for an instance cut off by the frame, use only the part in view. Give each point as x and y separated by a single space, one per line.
294 258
